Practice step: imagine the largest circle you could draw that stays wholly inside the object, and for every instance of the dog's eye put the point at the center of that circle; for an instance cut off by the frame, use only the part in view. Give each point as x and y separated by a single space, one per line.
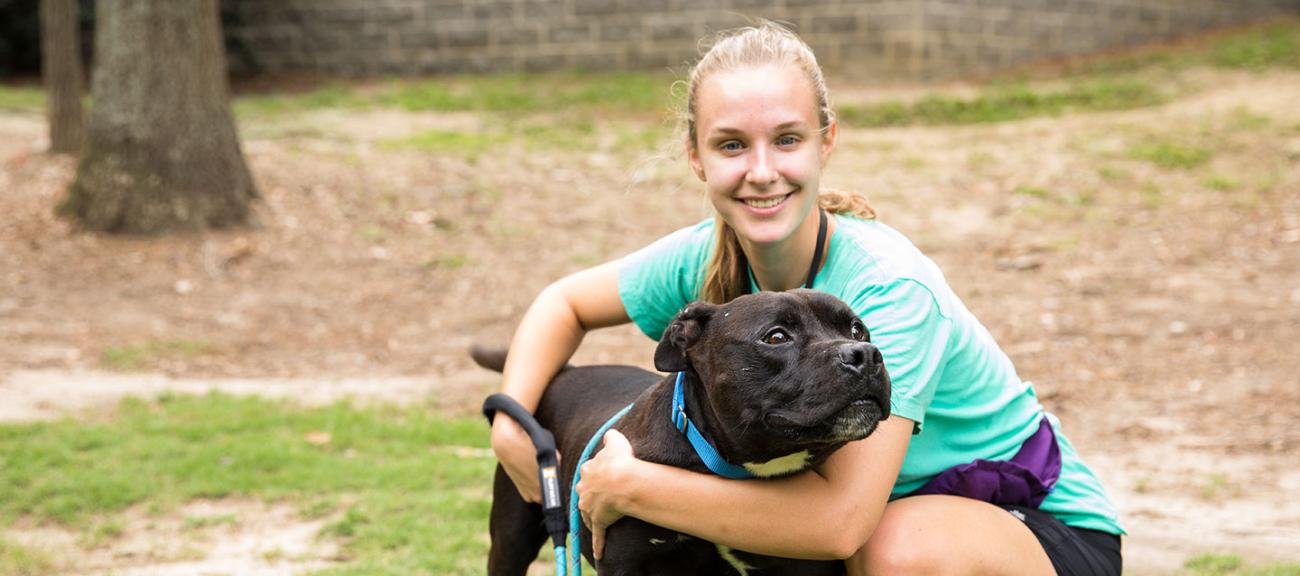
858 332
776 336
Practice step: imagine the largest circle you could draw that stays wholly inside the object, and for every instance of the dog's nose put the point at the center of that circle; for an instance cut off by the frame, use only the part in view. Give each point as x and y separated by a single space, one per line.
861 357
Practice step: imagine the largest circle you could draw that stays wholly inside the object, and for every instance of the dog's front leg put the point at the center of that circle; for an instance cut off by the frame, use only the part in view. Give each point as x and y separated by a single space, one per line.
516 529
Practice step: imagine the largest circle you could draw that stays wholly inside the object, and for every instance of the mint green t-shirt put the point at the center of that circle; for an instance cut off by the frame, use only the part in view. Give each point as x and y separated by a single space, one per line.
948 374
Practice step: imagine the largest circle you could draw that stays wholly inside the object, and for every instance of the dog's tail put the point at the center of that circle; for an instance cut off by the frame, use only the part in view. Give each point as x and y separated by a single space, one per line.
494 359
491 358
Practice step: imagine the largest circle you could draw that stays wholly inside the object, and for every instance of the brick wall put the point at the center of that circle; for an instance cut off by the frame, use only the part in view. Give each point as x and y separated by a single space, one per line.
907 38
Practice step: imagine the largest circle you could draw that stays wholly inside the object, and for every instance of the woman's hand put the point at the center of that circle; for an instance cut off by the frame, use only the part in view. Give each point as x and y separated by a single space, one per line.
518 456
603 487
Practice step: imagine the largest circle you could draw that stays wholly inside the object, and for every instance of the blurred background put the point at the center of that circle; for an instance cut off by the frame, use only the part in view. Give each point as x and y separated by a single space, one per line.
245 245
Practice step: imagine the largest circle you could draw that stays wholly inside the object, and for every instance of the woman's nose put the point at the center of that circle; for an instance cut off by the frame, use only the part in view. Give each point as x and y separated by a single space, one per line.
761 170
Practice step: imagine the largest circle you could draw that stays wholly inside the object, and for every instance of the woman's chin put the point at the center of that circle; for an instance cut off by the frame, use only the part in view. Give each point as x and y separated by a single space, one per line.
763 233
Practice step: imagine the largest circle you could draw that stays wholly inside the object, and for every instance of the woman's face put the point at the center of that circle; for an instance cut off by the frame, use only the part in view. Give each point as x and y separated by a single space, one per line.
759 149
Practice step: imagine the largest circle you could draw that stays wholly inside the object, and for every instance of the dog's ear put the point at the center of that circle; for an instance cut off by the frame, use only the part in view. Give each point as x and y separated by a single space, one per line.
685 329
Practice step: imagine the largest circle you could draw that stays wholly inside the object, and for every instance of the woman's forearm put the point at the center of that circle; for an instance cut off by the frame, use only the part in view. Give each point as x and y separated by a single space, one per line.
784 517
823 514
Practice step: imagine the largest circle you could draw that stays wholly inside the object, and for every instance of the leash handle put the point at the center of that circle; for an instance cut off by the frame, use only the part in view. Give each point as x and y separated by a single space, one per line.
548 461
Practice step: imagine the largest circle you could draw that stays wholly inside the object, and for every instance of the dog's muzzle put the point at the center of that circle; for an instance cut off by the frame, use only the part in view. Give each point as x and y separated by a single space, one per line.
865 403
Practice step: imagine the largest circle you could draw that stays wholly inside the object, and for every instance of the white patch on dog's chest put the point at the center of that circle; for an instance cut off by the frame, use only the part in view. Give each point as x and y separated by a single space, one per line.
778 466
735 562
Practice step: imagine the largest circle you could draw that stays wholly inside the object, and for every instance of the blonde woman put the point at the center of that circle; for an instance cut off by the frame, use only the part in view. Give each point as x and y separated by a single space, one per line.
968 476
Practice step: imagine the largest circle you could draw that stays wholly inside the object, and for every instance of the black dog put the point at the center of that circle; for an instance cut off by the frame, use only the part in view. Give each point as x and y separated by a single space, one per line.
776 381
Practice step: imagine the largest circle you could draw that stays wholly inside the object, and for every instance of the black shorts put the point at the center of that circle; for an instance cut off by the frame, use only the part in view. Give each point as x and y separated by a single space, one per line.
1073 551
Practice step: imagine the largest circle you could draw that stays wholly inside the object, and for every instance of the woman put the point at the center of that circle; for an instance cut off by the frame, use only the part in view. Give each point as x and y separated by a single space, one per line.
918 496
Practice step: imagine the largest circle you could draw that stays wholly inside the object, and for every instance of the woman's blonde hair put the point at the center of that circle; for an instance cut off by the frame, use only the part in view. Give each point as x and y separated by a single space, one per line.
764 44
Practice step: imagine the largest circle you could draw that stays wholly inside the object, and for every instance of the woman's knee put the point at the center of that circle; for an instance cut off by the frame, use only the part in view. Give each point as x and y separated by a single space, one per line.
898 547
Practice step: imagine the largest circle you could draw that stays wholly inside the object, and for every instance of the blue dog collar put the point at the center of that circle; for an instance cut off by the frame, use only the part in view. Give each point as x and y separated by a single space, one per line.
702 447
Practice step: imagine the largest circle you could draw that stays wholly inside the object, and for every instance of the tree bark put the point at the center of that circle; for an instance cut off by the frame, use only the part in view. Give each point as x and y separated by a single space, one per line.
62 72
162 153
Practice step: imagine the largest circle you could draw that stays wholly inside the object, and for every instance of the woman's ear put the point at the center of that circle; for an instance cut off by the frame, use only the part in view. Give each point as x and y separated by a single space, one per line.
828 140
693 155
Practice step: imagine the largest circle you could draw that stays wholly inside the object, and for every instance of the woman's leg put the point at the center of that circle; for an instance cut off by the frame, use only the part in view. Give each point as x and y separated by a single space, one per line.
944 535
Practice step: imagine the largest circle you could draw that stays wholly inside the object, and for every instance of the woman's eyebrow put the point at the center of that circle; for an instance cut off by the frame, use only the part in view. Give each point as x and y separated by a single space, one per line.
727 130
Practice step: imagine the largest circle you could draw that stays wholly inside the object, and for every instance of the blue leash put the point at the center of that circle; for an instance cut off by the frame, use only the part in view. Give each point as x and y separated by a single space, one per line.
575 521
702 447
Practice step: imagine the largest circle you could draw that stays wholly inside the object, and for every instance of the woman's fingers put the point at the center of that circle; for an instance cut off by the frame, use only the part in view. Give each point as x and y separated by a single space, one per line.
617 442
595 491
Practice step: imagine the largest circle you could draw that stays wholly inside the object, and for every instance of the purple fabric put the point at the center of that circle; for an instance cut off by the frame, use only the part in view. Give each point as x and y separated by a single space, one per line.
1024 480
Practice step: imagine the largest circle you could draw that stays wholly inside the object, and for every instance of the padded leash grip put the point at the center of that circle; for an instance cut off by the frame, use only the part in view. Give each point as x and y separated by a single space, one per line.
548 462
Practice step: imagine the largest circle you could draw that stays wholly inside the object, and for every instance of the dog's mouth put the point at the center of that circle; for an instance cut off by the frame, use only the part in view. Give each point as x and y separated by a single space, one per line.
854 421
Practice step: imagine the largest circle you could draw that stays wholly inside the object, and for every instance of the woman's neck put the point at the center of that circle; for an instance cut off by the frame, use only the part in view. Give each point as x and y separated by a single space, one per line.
784 265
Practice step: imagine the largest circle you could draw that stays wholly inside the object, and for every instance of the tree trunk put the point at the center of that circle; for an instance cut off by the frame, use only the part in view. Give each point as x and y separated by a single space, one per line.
61 69
161 152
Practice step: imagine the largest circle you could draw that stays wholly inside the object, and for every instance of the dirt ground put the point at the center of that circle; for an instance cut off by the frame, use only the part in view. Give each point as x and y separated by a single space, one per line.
1157 309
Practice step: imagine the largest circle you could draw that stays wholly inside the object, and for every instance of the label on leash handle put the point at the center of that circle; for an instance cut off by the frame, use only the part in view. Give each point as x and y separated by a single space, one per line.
550 488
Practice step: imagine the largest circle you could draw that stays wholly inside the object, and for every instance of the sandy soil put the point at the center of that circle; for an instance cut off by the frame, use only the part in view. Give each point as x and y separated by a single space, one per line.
1156 309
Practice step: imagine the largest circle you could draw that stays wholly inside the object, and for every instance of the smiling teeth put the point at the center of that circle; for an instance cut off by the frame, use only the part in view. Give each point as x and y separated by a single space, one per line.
761 203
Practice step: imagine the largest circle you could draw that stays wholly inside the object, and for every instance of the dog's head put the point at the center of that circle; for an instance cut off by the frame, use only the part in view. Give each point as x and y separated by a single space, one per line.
781 379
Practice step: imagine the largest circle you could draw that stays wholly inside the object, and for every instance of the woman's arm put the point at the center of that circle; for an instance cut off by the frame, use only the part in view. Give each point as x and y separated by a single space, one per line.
546 338
826 513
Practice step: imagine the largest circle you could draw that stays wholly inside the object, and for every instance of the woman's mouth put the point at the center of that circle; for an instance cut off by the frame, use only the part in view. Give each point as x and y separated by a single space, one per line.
766 203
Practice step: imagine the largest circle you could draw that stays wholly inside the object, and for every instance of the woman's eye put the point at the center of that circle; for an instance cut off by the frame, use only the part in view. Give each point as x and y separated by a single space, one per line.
776 336
787 140
731 146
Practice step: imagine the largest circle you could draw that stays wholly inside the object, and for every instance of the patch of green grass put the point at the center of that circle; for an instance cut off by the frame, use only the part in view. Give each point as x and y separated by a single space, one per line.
333 96
138 356
1113 174
577 134
1001 103
1032 192
1222 183
1215 485
1169 154
913 163
371 233
102 533
201 522
22 98
1083 198
1120 83
469 145
449 261
638 138
1274 45
411 507
510 94
979 159
1151 196
1233 565
1243 119
1268 47
1142 485
16 560
530 93
1213 564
